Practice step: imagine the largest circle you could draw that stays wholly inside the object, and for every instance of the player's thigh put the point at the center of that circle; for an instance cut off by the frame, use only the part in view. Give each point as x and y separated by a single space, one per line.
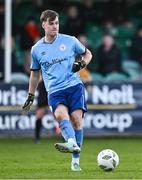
77 118
61 112
76 98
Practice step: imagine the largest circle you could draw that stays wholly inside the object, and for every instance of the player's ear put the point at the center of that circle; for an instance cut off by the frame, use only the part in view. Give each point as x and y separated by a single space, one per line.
43 25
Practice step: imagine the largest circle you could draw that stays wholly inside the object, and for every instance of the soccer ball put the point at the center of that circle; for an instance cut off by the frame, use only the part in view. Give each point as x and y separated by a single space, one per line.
108 160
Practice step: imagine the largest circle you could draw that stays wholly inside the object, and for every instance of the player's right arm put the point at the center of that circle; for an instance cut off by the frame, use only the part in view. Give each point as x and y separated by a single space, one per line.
34 79
33 83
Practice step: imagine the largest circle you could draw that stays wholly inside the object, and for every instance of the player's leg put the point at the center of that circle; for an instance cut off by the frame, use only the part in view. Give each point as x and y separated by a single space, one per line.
67 131
41 108
77 122
38 124
77 110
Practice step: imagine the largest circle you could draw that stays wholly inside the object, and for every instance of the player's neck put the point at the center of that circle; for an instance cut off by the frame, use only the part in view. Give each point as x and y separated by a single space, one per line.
49 39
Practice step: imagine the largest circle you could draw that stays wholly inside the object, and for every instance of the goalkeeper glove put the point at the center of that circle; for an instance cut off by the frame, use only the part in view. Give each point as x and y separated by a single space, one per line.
78 65
27 105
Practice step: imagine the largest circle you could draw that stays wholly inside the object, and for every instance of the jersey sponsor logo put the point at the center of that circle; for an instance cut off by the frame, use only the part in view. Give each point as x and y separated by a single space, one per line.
47 65
62 47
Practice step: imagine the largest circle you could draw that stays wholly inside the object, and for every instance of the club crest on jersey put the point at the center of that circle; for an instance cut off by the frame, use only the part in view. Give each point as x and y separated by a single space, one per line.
62 47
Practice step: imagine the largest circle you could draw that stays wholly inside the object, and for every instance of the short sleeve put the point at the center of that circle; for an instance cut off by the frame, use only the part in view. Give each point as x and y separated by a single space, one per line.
79 47
34 62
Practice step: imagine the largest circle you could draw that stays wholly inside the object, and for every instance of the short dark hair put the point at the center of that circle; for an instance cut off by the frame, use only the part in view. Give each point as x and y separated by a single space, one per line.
48 14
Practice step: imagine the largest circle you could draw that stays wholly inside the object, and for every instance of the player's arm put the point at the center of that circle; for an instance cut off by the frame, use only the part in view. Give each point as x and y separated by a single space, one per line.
33 83
87 57
82 61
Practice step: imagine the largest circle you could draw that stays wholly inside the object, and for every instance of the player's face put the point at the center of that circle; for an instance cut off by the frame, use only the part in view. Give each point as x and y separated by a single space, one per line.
51 27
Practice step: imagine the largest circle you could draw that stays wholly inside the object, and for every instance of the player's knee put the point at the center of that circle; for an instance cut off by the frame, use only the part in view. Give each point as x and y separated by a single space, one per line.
60 115
77 123
40 113
77 120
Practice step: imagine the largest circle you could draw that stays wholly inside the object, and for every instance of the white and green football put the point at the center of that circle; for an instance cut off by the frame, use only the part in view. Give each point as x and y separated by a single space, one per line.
108 160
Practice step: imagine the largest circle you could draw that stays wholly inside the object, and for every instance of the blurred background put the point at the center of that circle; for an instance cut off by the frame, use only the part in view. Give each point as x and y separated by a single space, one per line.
111 29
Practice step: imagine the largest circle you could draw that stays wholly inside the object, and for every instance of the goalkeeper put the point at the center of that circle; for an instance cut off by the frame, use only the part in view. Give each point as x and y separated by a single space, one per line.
54 55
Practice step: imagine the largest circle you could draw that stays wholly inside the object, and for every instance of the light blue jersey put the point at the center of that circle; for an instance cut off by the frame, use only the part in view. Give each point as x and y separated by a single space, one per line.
56 60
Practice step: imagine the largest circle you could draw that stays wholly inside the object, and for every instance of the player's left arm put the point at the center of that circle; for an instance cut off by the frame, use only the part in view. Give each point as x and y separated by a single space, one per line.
87 56
82 61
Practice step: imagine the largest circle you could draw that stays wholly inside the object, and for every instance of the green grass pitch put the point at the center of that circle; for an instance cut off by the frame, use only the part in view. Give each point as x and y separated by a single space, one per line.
22 159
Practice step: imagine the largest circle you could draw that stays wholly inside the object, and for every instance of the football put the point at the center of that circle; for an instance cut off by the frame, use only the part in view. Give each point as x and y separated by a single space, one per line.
108 160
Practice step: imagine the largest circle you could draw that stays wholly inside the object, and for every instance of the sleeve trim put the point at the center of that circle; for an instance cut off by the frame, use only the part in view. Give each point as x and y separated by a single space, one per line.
84 52
34 69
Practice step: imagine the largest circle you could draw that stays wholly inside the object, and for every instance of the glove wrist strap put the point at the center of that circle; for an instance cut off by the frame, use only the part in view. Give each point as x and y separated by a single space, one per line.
31 96
83 63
